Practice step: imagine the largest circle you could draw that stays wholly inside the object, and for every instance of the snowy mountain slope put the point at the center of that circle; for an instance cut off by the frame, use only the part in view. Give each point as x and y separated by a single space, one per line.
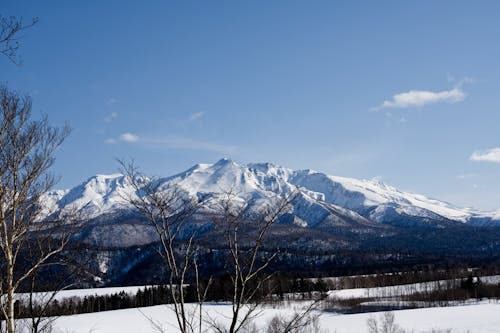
97 195
358 195
323 200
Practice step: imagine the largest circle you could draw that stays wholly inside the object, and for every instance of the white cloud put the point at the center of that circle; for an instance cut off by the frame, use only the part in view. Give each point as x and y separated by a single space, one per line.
125 137
128 137
420 98
110 117
196 116
487 155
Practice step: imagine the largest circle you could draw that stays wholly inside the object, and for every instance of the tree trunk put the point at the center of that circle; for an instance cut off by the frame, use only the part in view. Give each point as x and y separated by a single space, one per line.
9 321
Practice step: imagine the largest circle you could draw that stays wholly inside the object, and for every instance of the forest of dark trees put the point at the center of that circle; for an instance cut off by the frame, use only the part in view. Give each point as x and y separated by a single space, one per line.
282 288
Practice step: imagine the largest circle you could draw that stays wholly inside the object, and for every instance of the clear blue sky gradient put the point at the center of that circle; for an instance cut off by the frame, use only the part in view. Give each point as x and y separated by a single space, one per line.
296 83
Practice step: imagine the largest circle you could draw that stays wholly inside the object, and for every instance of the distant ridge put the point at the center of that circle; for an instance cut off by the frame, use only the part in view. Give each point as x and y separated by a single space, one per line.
322 196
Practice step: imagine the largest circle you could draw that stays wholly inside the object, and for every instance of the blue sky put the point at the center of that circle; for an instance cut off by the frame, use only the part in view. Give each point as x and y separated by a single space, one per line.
403 91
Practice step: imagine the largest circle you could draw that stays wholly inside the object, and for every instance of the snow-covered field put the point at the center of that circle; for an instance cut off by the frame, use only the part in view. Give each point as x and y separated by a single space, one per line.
388 291
478 318
132 290
473 317
404 289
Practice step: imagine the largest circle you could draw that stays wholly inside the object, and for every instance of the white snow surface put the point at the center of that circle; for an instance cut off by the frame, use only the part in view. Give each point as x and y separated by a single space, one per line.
263 182
81 293
404 289
476 318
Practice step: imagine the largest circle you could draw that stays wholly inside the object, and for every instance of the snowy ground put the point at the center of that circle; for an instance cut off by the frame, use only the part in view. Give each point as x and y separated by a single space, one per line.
132 290
405 289
478 318
388 291
475 318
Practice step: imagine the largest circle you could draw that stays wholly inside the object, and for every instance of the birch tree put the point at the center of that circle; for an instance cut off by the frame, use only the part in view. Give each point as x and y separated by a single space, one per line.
26 242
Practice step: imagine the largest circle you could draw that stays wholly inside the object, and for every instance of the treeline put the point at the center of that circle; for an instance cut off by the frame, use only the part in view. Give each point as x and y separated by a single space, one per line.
445 297
148 296
276 288
419 295
279 288
426 274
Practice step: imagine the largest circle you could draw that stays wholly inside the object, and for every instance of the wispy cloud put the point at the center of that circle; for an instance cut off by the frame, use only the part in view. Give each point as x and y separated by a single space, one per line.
111 141
194 119
466 176
174 143
459 82
187 143
421 98
196 116
110 117
111 101
486 155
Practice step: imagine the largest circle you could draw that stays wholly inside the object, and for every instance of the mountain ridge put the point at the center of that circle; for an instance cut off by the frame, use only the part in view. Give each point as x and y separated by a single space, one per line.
332 223
373 200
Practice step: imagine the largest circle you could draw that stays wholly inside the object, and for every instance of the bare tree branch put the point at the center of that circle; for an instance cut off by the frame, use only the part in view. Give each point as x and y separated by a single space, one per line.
245 233
26 155
10 29
168 211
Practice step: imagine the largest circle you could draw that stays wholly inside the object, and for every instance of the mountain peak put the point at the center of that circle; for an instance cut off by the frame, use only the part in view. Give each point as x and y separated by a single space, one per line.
223 162
372 199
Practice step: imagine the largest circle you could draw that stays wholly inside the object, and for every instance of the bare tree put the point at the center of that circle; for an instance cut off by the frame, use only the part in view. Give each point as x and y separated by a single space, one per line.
169 211
299 322
245 231
386 324
10 29
26 242
44 286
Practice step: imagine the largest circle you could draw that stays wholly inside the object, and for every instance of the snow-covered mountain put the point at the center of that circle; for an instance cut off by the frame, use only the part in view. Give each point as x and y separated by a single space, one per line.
370 221
323 201
97 195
